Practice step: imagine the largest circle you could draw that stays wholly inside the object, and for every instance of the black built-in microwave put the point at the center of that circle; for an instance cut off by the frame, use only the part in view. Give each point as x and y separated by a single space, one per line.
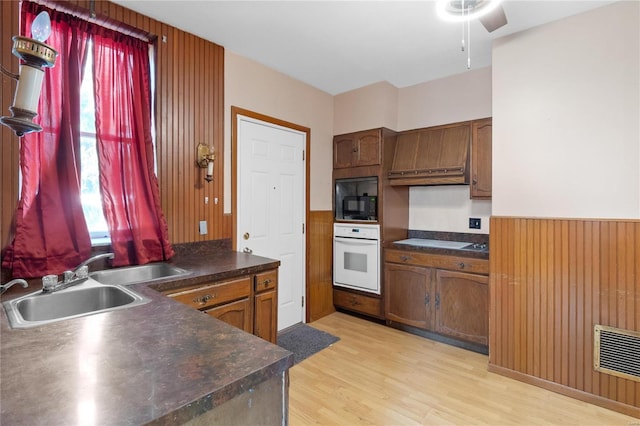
360 207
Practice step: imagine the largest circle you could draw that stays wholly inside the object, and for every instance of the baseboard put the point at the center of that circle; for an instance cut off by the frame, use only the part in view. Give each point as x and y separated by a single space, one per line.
475 347
567 391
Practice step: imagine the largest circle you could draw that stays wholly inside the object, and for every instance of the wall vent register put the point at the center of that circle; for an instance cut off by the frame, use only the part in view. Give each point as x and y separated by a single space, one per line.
617 352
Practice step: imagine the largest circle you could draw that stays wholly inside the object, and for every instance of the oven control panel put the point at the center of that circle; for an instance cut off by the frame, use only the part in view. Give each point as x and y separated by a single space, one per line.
351 230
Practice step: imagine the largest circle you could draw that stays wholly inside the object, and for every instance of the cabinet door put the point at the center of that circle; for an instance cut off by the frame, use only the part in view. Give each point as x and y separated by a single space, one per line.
343 151
265 316
462 305
237 314
455 147
481 175
404 157
367 152
409 295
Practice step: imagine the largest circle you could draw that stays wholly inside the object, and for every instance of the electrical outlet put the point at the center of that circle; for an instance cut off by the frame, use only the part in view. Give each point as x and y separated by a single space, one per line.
474 223
203 227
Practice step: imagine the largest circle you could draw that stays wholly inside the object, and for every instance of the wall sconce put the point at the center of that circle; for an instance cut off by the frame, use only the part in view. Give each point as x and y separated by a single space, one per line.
35 55
205 159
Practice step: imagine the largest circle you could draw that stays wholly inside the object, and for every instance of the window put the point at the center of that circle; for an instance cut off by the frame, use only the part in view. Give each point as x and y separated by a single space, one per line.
90 170
90 174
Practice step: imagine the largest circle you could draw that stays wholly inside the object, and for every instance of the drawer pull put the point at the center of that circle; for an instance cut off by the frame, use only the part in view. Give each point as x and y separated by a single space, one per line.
405 258
354 302
266 282
461 265
202 300
427 299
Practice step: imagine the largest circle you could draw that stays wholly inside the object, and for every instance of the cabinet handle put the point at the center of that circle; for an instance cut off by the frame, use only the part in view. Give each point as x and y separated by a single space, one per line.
405 258
355 149
202 300
427 299
354 302
266 282
438 301
475 180
461 265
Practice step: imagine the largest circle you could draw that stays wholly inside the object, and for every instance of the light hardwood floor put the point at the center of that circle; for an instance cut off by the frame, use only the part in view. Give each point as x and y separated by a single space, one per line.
376 375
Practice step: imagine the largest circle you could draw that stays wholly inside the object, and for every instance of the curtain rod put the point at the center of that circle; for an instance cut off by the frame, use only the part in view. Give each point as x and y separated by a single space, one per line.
91 16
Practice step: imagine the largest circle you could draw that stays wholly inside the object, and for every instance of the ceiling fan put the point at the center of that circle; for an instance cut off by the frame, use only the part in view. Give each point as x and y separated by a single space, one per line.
489 12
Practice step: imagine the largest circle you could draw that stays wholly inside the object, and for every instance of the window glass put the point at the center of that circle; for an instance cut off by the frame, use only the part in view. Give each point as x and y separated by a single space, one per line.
90 174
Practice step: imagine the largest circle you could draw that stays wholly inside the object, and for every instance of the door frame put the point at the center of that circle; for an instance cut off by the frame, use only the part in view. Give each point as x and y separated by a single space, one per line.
235 112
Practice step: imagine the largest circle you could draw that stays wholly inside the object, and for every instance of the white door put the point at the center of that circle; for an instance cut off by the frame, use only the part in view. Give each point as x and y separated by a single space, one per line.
271 200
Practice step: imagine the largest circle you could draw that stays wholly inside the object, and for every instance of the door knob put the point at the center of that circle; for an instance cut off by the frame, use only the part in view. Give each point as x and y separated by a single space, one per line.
247 250
246 236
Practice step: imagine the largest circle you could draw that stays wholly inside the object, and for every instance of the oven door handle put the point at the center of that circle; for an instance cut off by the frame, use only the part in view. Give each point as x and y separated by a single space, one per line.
355 241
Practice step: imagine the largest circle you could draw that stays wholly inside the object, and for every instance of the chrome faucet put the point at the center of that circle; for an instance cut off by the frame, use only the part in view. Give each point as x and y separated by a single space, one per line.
93 259
79 275
5 287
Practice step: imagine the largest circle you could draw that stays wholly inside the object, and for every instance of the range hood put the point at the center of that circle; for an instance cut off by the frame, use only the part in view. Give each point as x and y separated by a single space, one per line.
432 156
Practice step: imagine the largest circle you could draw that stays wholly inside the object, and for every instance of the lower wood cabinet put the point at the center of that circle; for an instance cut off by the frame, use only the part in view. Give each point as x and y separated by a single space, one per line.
265 319
451 303
410 296
357 302
236 313
462 306
248 302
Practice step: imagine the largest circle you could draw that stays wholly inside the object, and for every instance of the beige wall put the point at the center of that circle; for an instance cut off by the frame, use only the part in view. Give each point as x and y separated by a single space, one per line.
460 97
566 117
254 87
366 108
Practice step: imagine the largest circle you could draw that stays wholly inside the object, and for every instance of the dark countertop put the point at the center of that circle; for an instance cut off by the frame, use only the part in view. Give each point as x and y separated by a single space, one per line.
446 236
162 362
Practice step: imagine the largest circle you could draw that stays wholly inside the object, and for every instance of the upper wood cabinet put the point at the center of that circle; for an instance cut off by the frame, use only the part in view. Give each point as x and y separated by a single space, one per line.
357 149
432 156
481 175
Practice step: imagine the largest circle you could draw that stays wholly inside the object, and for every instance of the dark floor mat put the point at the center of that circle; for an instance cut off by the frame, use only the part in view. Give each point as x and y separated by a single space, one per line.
304 341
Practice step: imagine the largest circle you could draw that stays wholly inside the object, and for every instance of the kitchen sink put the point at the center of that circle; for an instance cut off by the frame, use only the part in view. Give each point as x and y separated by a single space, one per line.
88 298
137 274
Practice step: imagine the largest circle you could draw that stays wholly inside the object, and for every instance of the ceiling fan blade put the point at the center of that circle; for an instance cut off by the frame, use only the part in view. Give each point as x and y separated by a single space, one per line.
494 20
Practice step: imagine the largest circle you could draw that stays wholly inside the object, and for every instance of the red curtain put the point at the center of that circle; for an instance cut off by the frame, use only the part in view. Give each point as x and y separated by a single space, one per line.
129 187
51 234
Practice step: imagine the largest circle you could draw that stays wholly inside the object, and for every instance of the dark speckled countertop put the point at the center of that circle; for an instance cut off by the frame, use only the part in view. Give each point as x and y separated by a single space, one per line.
160 363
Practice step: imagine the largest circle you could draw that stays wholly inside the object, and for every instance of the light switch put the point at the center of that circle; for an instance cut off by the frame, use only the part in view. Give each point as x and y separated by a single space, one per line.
203 227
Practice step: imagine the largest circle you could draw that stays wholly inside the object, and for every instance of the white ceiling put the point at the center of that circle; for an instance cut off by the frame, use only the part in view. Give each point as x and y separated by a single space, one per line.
338 46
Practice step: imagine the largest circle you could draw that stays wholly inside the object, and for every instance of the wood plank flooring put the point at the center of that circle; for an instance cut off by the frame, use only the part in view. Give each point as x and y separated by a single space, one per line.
376 375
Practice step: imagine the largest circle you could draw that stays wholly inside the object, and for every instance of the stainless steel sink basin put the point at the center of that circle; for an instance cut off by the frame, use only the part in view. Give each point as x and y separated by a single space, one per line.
138 274
88 298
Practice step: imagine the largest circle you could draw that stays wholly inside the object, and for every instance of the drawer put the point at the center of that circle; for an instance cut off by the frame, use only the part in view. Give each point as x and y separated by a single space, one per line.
266 281
453 263
358 302
213 294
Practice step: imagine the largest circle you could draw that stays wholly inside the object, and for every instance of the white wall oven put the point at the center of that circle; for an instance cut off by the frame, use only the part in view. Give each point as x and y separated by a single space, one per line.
356 256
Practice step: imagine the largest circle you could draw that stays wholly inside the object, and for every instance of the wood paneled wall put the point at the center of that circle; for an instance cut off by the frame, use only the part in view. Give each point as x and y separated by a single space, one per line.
551 281
189 110
9 147
320 265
